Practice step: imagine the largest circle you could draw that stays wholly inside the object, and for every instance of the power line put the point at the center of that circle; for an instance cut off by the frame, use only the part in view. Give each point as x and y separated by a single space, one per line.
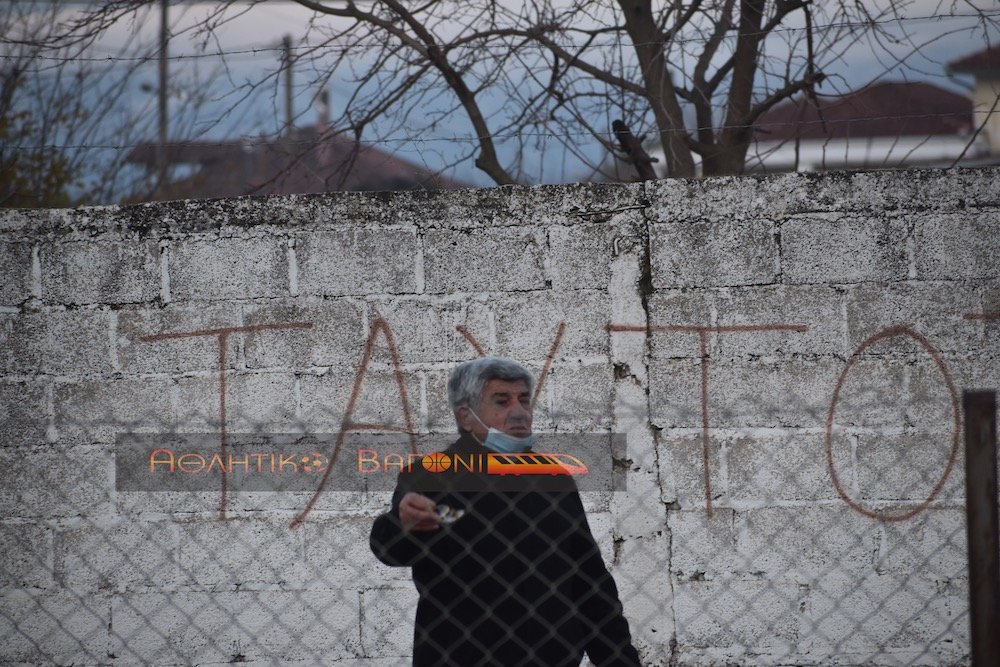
248 141
251 51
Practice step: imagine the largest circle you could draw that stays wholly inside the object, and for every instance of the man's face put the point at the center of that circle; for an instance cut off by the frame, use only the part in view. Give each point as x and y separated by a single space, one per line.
505 406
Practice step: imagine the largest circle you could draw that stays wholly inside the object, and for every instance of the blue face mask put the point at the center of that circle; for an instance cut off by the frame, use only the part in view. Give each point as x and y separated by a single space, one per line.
502 442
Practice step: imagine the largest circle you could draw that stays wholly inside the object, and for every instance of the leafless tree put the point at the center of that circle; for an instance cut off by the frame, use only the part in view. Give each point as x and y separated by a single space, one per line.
692 76
69 112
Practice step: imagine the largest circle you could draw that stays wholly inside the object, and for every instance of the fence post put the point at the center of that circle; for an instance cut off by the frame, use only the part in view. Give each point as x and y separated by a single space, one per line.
980 408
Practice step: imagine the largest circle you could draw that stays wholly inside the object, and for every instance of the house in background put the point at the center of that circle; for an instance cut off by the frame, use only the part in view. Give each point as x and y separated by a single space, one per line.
300 161
884 125
887 125
985 67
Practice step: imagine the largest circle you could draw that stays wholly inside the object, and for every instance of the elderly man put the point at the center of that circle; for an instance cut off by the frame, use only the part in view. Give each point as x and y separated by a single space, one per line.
507 570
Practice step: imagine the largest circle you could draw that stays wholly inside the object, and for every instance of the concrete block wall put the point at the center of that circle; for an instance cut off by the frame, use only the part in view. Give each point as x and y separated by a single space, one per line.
781 353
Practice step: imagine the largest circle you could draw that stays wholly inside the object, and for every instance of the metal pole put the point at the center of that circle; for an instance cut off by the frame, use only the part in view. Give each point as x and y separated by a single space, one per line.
287 53
980 409
161 148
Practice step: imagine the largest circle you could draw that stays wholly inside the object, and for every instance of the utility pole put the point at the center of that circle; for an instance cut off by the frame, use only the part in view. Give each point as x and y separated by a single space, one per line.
161 148
287 62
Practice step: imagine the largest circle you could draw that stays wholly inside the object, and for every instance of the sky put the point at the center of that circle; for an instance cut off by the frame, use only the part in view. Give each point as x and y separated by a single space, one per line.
210 98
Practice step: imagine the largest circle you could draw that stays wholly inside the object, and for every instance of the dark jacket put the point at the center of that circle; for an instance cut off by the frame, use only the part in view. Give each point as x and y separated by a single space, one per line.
518 580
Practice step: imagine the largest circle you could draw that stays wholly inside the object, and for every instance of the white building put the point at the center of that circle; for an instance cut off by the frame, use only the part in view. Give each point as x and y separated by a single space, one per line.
882 126
985 67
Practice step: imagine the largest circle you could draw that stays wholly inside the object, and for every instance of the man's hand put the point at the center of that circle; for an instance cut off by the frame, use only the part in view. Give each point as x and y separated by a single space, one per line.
418 512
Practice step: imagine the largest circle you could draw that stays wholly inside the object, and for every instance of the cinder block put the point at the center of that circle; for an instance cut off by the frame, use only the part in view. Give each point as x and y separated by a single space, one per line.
726 198
803 544
255 403
766 309
440 418
336 336
527 325
885 617
580 254
59 627
989 291
839 249
780 468
417 208
871 395
669 309
973 371
931 545
932 310
978 187
640 506
198 350
675 392
876 191
931 407
15 273
26 561
578 397
332 500
709 254
200 627
797 392
500 207
483 260
766 393
245 554
904 470
97 411
82 272
337 555
118 556
139 505
324 399
425 331
389 612
74 342
641 570
476 316
23 414
52 481
379 399
228 268
598 203
355 260
735 620
704 547
22 219
957 246
433 209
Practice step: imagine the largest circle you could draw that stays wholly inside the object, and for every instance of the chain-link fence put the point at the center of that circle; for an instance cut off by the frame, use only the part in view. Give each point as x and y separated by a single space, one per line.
205 408
180 542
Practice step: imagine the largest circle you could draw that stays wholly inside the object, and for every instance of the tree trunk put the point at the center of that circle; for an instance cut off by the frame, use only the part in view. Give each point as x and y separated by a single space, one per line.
648 43
729 153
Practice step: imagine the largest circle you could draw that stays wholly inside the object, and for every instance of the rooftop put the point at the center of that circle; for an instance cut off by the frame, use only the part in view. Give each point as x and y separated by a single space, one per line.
302 161
882 109
983 61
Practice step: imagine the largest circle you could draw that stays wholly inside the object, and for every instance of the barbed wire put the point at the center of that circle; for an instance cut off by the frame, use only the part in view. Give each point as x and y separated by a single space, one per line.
265 141
251 51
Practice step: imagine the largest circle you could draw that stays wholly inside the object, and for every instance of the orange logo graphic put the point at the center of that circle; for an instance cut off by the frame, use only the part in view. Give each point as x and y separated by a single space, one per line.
437 462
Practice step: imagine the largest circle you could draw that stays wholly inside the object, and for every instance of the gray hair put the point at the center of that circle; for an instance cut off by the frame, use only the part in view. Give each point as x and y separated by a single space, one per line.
468 380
